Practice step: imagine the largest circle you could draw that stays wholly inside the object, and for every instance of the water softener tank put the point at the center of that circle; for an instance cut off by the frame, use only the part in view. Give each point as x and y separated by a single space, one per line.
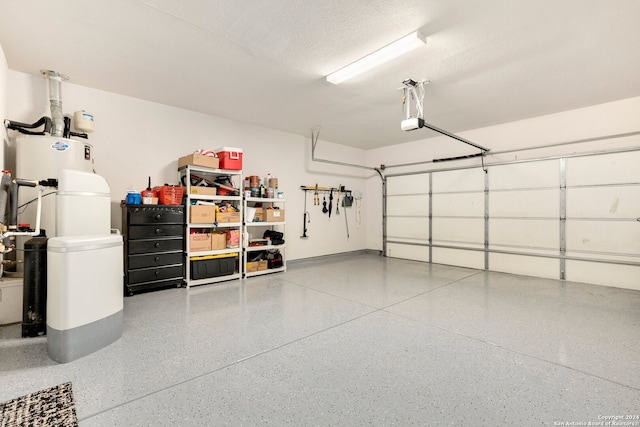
34 302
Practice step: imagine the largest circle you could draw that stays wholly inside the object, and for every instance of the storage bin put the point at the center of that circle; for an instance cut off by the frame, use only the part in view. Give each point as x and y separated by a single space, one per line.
170 194
230 158
213 266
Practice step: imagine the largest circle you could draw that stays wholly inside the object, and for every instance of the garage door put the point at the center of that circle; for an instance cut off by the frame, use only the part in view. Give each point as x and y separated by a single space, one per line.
572 218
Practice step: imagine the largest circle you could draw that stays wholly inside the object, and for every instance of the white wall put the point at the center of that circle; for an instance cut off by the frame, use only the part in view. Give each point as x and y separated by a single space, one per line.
134 139
3 102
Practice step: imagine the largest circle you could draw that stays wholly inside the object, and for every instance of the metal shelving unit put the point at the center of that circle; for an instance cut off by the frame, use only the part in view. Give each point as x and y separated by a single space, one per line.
186 173
254 229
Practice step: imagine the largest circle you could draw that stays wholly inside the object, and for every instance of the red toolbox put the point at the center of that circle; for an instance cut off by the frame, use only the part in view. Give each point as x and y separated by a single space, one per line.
230 158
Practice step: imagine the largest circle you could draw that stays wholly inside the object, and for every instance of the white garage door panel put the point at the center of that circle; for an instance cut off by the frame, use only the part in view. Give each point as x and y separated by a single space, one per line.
408 205
604 169
538 233
470 259
408 184
461 180
534 203
603 202
620 276
604 236
465 204
458 230
525 175
408 228
525 265
412 252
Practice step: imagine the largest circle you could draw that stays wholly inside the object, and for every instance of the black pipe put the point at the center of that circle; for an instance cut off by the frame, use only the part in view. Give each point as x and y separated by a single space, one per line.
21 127
67 127
79 135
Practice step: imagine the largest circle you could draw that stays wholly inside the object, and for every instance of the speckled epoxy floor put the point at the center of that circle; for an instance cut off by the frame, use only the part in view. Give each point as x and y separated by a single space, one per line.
355 340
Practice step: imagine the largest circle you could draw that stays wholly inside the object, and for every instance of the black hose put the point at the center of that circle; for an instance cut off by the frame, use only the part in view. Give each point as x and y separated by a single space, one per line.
67 127
21 127
79 135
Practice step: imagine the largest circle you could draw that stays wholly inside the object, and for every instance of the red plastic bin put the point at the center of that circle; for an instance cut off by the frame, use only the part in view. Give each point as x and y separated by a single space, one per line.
170 194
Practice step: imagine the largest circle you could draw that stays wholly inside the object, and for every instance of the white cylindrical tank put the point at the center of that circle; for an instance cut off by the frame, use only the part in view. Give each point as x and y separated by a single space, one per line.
42 157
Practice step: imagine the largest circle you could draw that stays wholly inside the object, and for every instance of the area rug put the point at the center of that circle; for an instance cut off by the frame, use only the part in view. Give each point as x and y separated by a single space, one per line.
49 407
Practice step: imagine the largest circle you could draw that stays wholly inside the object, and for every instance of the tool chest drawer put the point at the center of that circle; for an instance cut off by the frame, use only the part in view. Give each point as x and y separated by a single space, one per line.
154 260
144 246
156 230
153 247
155 214
155 273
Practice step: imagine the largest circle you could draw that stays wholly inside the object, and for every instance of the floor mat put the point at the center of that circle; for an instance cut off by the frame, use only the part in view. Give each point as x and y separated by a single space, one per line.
49 407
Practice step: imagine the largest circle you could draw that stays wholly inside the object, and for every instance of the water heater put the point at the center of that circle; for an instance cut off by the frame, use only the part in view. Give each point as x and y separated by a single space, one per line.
42 157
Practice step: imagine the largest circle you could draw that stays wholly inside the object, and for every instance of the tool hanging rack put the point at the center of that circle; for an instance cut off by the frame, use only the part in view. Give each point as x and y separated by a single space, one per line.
343 198
326 190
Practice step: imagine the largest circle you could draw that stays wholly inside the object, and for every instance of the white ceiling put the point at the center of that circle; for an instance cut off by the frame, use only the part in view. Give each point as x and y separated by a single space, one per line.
264 62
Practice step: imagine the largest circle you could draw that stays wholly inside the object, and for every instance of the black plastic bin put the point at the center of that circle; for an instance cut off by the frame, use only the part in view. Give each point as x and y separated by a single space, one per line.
205 267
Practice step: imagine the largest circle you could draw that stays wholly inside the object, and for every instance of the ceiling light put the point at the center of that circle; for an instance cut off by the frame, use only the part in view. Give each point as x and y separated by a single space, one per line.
387 53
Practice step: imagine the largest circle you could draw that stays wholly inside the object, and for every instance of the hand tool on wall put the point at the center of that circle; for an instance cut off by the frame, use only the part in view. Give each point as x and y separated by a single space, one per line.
338 201
305 218
330 201
346 222
316 197
324 204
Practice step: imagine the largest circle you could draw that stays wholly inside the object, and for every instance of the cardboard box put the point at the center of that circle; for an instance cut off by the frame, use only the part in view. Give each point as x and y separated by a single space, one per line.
258 215
274 215
218 240
199 160
226 217
252 266
263 265
204 191
199 242
202 214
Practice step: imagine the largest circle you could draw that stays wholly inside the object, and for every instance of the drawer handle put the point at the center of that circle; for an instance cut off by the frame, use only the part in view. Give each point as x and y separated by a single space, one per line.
157 259
157 231
157 273
158 216
157 245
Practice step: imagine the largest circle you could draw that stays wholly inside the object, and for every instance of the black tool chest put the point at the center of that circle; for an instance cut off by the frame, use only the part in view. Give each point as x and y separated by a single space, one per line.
153 247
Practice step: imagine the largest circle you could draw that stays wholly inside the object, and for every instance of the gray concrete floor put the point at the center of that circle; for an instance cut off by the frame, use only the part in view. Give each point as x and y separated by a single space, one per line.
355 340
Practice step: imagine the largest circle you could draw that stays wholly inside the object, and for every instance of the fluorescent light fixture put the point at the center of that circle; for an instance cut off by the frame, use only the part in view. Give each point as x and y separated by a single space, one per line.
380 56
